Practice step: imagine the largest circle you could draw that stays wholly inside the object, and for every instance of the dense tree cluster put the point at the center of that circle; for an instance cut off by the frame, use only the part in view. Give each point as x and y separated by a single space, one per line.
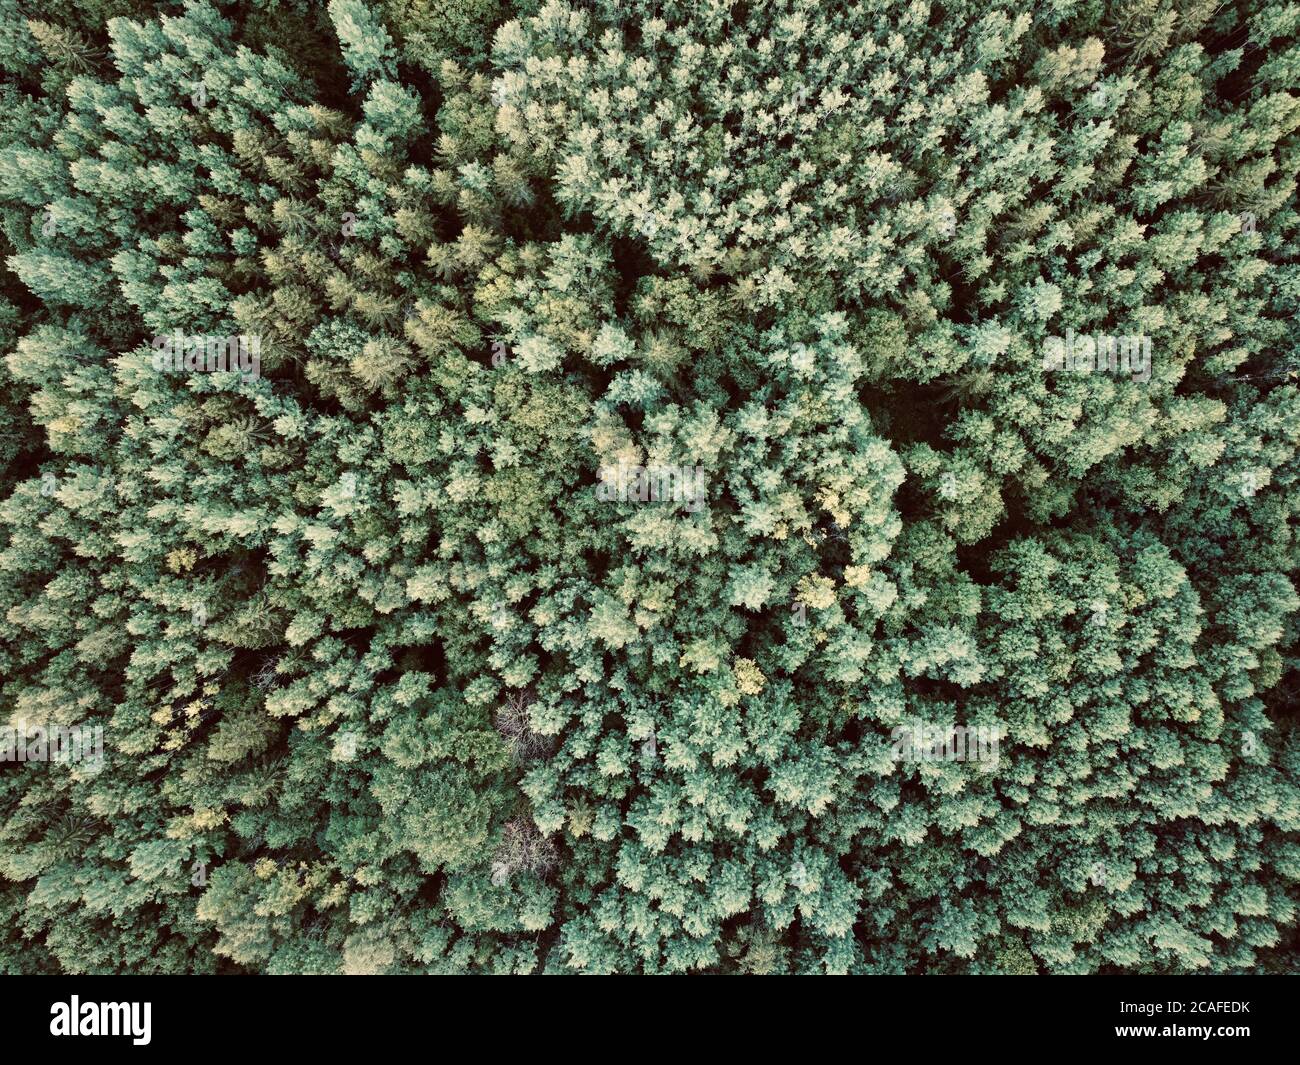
386 684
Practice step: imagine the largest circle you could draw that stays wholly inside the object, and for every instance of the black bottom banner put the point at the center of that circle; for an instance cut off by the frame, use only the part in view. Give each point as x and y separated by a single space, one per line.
1219 1015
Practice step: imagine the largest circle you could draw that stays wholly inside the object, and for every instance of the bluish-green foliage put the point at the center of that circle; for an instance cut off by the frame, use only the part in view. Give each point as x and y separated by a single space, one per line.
399 665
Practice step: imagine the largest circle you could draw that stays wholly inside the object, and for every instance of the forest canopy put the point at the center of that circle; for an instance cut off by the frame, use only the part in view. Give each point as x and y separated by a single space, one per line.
649 487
